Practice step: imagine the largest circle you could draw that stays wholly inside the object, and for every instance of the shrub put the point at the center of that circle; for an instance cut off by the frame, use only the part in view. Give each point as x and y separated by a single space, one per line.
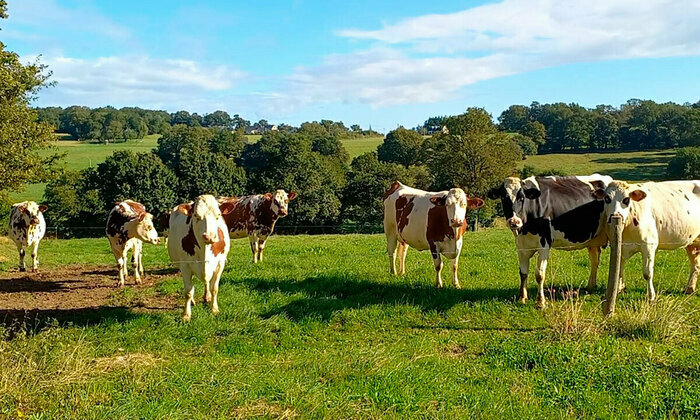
685 165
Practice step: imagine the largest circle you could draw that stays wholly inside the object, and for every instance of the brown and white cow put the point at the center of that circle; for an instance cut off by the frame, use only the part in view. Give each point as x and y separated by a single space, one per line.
128 225
656 215
255 216
426 220
27 229
199 243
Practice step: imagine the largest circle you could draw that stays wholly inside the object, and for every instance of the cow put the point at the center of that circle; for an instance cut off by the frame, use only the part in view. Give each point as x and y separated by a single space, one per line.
255 216
27 229
199 243
559 212
435 221
128 226
656 215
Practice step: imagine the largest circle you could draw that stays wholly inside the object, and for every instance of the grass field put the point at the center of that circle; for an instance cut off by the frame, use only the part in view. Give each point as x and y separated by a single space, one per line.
320 330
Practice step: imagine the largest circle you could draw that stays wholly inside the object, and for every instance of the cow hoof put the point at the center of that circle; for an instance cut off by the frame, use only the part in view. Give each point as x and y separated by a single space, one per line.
541 304
186 318
215 311
22 269
523 300
689 290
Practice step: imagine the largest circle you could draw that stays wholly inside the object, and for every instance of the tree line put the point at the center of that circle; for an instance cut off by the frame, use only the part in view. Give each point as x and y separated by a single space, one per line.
333 190
107 123
559 127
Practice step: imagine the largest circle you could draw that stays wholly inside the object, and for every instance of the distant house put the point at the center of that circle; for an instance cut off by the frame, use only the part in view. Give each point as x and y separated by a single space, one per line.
257 129
432 129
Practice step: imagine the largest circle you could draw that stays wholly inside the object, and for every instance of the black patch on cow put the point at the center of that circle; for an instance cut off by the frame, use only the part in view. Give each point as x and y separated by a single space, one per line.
635 221
539 226
507 204
20 224
581 223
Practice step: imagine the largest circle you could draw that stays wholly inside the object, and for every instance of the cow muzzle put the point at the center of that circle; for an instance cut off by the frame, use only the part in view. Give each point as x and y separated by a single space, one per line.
456 223
514 223
209 238
282 213
34 221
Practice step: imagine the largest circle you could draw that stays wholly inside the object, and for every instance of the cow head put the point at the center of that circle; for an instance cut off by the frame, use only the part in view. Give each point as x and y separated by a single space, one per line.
280 202
29 212
514 194
457 203
619 197
206 219
144 229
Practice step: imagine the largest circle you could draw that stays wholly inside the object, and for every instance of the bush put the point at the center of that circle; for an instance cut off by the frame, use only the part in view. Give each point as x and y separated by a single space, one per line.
73 200
685 165
526 144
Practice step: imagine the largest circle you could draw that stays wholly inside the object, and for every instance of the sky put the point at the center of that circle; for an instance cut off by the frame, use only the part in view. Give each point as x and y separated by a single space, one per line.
379 63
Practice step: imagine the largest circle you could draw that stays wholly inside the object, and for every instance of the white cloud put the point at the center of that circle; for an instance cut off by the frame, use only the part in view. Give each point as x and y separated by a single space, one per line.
430 58
143 81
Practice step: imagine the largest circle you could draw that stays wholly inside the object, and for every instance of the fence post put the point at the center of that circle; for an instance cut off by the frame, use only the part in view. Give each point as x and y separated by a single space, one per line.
610 300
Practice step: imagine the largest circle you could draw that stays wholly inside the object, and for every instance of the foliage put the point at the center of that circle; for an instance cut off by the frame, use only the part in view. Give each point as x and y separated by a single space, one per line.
295 162
22 137
474 155
367 181
401 146
685 165
525 143
74 200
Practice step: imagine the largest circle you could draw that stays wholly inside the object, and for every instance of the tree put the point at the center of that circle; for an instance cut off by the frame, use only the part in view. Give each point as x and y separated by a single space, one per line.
22 136
526 144
401 146
474 155
74 200
536 131
239 124
217 119
227 143
514 118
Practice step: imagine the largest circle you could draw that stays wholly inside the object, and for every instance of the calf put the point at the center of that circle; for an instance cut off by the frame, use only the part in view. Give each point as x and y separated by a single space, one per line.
426 220
128 224
198 243
546 212
255 216
27 229
656 215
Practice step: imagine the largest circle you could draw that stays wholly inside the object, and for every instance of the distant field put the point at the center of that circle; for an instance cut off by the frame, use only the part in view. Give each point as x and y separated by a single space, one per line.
631 166
81 155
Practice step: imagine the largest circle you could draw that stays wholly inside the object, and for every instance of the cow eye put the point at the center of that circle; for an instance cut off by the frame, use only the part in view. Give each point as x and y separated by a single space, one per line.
607 199
626 201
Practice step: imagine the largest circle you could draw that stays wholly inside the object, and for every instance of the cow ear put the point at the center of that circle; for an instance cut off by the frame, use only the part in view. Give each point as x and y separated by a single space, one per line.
142 216
292 195
532 193
185 209
475 203
23 209
268 196
638 195
497 192
598 193
43 208
227 207
438 200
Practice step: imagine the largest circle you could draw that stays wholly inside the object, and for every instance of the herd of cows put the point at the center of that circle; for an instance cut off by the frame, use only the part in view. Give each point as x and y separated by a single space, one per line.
543 212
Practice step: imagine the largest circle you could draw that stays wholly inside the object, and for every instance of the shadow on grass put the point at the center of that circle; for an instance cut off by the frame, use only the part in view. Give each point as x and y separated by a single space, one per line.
651 168
326 294
33 321
27 284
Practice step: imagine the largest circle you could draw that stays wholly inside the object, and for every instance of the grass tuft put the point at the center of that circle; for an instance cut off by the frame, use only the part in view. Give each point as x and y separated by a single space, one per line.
668 318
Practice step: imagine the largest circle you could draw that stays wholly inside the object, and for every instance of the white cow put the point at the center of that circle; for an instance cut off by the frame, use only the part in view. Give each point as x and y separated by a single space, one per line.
128 224
199 243
27 229
426 220
656 215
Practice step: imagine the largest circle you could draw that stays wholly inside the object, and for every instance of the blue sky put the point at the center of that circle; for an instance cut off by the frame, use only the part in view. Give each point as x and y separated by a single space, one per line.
382 63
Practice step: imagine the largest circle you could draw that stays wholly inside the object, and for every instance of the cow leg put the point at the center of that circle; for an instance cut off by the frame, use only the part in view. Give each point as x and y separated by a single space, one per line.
455 267
694 259
189 292
542 257
261 247
391 245
401 255
121 264
594 258
214 286
437 260
254 246
648 254
35 253
136 259
524 261
141 270
22 267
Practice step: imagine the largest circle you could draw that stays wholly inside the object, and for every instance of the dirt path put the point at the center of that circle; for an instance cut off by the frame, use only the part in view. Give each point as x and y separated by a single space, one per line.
78 291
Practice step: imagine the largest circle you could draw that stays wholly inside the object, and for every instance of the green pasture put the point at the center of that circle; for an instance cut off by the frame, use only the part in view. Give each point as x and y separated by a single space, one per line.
321 330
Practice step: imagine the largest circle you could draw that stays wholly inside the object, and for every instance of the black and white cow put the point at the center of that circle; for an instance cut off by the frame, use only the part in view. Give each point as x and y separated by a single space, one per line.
27 229
560 212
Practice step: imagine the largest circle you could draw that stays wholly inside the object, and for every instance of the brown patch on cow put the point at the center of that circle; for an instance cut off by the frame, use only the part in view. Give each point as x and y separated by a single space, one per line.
189 242
237 215
249 214
219 246
635 221
597 184
185 208
227 205
395 186
265 218
438 228
116 222
561 184
404 206
137 207
20 224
